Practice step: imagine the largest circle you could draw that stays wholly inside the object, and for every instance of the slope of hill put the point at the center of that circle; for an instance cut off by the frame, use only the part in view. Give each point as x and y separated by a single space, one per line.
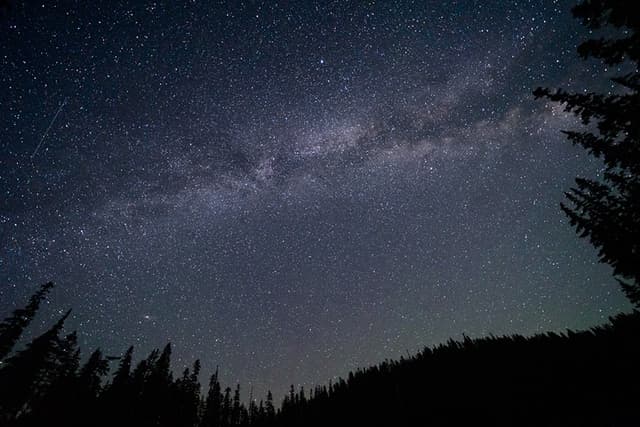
578 378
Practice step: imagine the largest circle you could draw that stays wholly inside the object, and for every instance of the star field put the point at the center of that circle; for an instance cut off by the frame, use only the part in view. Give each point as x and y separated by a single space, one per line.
290 190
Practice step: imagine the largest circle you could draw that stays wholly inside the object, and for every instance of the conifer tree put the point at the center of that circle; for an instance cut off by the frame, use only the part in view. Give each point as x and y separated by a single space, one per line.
26 375
235 411
225 415
607 210
253 408
90 376
122 376
157 391
142 372
193 392
67 356
186 397
89 387
212 411
162 369
12 327
244 416
269 408
56 405
261 415
118 399
143 391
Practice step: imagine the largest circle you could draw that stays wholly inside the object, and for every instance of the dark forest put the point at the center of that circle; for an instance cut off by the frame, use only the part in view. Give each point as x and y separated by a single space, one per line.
573 378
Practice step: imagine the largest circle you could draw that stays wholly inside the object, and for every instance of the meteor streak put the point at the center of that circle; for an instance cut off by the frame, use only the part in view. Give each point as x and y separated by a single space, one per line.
49 127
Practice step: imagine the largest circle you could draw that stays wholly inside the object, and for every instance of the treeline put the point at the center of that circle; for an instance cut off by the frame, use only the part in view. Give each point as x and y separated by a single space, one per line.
45 384
578 378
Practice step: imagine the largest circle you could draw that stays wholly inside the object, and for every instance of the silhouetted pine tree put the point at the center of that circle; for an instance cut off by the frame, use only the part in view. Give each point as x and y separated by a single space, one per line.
58 403
67 355
244 416
607 211
225 416
269 409
186 398
12 327
91 373
193 403
142 372
89 387
252 415
142 402
261 418
235 411
119 397
26 375
161 372
122 376
212 411
157 392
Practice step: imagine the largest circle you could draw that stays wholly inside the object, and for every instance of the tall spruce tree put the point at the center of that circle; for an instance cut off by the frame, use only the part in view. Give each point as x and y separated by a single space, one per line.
607 210
12 327
157 394
57 406
89 388
186 398
213 404
270 410
91 373
235 411
27 375
253 408
193 395
122 376
225 415
119 398
141 404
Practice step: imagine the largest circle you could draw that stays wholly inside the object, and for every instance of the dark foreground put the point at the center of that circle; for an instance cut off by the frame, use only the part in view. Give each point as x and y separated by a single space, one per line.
587 378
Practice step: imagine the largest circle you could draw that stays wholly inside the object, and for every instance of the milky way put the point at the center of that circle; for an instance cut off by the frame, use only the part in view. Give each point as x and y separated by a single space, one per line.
291 190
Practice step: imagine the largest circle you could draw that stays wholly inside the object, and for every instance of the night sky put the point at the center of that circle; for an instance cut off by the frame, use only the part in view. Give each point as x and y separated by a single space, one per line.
293 189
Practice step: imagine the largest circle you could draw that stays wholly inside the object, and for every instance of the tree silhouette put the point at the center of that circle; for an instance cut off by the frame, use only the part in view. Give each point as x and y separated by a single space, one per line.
90 376
226 408
156 390
118 398
607 211
89 387
122 377
27 374
269 408
213 403
186 397
12 327
235 410
56 406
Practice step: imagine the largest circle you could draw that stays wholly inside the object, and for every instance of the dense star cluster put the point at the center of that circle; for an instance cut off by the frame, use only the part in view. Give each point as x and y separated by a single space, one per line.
290 190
